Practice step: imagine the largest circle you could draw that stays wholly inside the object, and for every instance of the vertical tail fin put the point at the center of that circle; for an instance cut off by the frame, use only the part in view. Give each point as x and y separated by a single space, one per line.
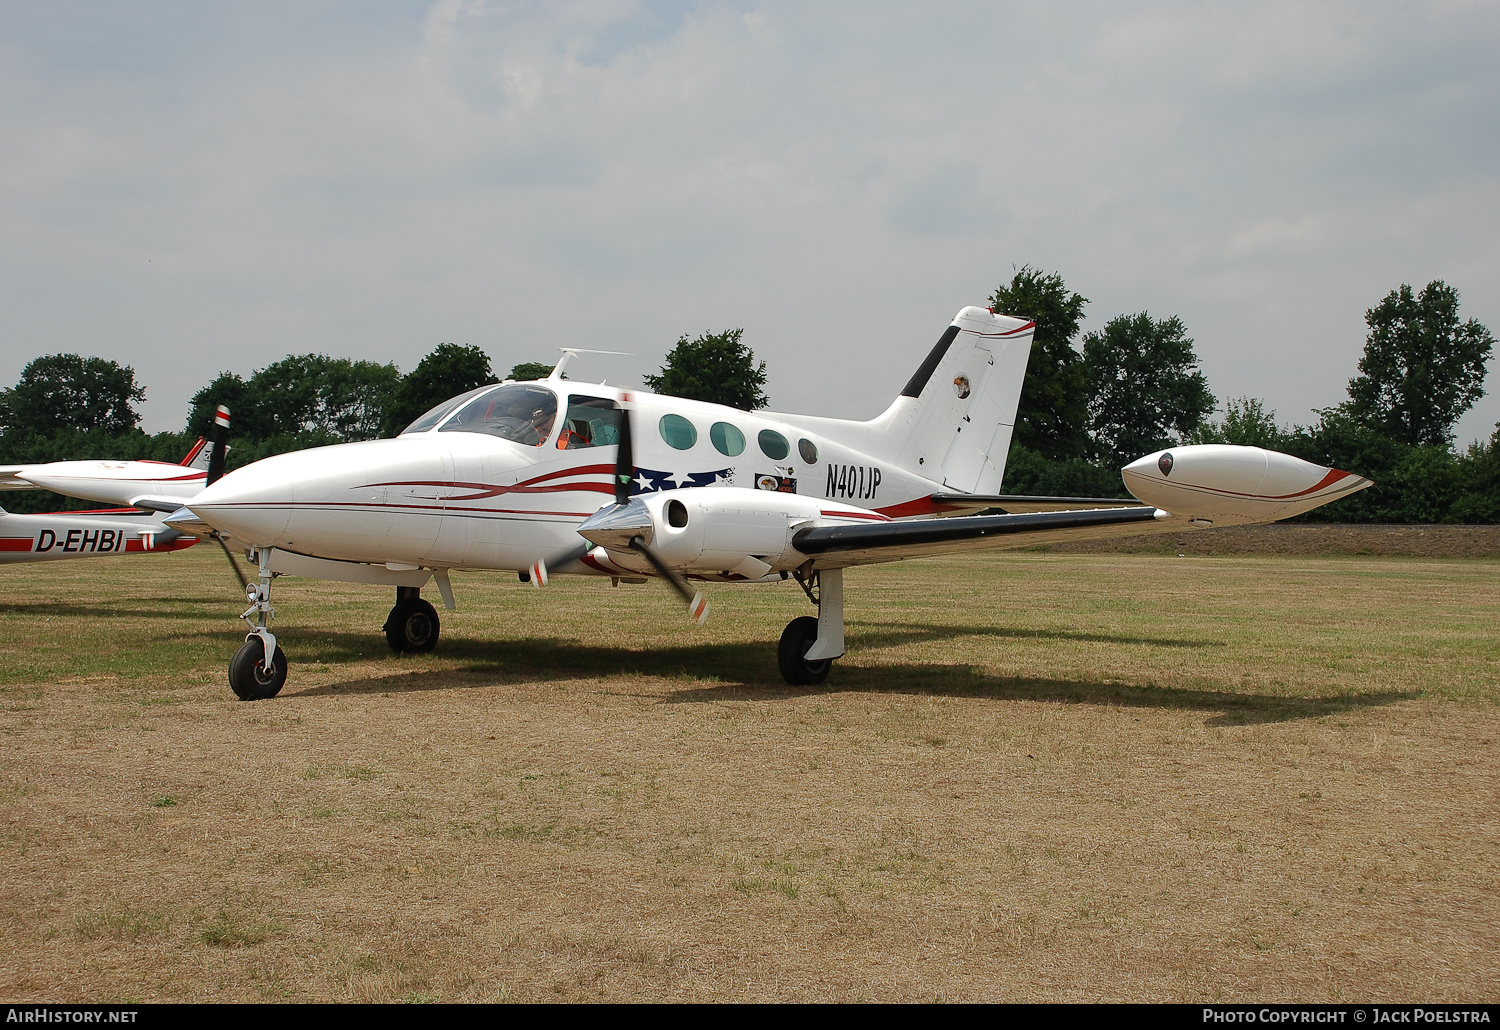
197 457
953 421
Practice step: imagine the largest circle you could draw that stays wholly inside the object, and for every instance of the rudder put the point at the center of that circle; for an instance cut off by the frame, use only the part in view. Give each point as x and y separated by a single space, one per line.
953 421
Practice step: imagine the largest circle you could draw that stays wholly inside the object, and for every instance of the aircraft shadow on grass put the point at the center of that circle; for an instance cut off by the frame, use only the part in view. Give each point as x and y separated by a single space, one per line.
884 635
747 671
152 607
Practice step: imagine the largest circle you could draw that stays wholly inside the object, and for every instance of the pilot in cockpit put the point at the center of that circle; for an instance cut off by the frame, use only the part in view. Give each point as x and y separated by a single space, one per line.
575 434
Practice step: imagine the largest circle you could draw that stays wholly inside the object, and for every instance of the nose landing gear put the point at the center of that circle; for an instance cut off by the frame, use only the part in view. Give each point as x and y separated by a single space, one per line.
412 624
258 669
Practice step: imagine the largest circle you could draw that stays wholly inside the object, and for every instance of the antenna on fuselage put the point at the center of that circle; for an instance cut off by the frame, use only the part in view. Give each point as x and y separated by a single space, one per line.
569 352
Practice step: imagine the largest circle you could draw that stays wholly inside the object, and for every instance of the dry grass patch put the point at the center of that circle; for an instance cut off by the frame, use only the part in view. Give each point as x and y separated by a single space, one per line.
1033 777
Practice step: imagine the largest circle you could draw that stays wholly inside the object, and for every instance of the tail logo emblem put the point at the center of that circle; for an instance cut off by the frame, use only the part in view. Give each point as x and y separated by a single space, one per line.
1165 464
961 387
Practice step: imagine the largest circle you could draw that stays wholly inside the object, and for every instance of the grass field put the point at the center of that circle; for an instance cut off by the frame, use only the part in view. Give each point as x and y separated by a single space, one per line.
1033 777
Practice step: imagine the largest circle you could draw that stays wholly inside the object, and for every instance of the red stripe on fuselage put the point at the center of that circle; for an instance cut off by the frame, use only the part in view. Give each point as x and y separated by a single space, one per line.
15 543
104 511
526 486
921 506
139 546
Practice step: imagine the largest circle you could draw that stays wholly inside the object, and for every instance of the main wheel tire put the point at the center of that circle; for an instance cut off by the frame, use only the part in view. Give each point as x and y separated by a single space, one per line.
798 636
412 626
248 676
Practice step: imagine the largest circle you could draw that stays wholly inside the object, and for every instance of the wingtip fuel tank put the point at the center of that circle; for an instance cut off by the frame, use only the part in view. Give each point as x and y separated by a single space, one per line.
1229 485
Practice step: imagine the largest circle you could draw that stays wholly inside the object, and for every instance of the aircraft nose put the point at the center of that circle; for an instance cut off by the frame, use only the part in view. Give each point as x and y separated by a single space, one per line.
252 504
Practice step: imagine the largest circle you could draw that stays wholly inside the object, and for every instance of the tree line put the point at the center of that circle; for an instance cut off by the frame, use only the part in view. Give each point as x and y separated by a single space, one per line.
1091 403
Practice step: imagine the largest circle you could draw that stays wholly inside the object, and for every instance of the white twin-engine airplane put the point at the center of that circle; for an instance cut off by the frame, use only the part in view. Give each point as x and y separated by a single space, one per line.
510 477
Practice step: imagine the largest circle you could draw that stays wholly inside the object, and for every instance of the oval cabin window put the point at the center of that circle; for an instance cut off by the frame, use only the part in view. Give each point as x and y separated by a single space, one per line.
678 432
726 439
773 445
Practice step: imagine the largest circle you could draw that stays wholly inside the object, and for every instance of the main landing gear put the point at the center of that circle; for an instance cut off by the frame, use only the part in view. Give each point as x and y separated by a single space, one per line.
258 669
412 624
808 645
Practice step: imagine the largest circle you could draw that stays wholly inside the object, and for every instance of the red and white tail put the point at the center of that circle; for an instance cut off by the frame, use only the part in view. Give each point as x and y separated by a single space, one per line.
202 451
197 457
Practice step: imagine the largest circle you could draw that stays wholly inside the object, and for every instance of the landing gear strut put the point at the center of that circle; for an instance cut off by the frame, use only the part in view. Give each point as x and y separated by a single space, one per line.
808 645
258 669
412 624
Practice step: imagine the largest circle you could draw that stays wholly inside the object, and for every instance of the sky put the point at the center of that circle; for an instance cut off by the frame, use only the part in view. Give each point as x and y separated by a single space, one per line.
189 188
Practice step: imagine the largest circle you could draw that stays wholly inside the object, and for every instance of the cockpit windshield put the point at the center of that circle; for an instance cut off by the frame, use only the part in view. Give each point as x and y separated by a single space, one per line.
519 412
437 414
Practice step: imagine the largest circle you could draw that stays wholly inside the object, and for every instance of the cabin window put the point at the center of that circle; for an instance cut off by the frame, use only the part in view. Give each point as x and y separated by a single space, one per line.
678 432
726 439
590 422
518 412
808 450
773 445
437 414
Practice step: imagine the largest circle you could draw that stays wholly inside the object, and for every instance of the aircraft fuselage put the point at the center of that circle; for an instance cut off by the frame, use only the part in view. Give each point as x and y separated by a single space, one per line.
451 498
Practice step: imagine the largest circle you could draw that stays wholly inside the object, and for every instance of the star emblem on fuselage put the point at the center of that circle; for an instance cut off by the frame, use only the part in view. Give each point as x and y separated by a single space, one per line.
650 480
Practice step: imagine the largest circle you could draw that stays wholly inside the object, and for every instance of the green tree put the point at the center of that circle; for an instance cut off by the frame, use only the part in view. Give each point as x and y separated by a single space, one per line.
1145 390
1479 476
1422 368
303 399
447 371
70 391
1053 416
527 371
1028 472
715 367
247 419
1247 423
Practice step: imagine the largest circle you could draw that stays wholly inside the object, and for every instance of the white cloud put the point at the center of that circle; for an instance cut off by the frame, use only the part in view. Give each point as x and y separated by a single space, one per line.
215 189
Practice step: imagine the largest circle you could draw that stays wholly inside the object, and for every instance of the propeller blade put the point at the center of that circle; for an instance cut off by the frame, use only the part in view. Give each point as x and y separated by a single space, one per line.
232 563
697 604
624 462
219 435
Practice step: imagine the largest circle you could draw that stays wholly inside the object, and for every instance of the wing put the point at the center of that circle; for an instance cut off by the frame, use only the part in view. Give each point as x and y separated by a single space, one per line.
842 546
1204 485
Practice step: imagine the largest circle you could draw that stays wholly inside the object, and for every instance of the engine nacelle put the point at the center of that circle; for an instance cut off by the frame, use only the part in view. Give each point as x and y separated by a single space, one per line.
1226 484
714 530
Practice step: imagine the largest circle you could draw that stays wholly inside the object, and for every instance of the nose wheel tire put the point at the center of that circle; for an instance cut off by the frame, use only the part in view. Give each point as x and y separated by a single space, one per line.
798 636
248 676
412 626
